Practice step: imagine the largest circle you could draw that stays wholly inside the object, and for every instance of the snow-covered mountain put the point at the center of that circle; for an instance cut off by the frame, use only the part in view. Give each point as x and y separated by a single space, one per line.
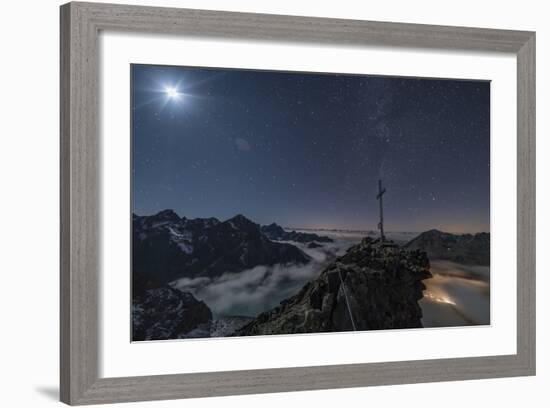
167 247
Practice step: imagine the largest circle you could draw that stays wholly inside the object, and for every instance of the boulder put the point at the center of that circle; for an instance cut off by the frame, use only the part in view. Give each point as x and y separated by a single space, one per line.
167 313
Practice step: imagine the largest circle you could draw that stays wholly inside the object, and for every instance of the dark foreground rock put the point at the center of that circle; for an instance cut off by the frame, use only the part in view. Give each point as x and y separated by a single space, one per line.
227 325
168 313
381 284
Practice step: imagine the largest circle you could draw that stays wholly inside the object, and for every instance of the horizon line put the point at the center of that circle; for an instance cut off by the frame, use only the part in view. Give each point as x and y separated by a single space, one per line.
331 229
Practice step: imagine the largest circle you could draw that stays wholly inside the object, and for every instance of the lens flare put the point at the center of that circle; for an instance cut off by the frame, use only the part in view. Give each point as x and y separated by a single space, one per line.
172 93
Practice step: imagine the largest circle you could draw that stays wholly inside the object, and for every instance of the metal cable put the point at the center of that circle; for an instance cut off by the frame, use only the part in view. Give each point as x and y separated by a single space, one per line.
347 300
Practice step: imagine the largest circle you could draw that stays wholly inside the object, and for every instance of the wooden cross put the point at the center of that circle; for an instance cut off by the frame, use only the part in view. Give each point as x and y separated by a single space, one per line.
381 191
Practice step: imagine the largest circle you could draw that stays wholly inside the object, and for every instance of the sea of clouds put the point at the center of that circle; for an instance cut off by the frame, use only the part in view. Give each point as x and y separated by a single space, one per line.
255 290
457 295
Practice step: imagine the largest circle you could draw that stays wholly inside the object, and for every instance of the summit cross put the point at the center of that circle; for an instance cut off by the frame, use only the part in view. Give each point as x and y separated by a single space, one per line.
381 192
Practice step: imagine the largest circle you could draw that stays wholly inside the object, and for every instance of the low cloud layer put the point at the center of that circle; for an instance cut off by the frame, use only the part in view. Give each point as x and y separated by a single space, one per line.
252 291
457 295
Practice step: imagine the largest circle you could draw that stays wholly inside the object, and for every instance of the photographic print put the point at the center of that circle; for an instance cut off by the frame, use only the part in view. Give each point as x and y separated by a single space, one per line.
276 203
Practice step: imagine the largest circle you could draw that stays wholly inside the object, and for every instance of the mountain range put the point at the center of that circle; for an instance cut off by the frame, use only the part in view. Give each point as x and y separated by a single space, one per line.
374 285
166 247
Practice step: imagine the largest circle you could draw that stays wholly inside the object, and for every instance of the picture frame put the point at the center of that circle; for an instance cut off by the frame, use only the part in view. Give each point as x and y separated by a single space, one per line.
81 24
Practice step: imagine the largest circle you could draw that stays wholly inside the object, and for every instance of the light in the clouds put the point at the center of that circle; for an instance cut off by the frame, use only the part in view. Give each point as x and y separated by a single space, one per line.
172 93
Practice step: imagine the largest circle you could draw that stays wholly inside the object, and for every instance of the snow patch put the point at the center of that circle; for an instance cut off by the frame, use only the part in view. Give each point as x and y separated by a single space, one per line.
185 247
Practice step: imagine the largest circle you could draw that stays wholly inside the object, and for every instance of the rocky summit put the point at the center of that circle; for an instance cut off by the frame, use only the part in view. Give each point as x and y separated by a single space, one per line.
375 285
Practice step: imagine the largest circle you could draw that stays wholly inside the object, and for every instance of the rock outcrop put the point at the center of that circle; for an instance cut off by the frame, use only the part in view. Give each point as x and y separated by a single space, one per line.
167 313
225 326
373 286
461 248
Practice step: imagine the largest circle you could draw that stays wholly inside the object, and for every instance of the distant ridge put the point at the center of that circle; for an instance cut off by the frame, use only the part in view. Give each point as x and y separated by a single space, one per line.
277 233
460 248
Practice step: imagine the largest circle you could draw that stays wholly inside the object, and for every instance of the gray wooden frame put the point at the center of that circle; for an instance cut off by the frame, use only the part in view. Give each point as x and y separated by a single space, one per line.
80 26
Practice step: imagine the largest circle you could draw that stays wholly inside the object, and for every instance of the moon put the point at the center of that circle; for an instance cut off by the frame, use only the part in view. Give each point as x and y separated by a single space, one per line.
172 93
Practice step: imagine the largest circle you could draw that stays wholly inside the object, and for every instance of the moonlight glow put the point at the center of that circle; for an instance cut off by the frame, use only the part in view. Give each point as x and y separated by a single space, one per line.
172 93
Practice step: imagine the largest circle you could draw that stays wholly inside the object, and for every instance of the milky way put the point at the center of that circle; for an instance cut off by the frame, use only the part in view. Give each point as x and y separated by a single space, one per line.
307 150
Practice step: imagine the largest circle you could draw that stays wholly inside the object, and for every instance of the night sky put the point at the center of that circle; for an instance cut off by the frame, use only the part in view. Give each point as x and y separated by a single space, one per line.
307 150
